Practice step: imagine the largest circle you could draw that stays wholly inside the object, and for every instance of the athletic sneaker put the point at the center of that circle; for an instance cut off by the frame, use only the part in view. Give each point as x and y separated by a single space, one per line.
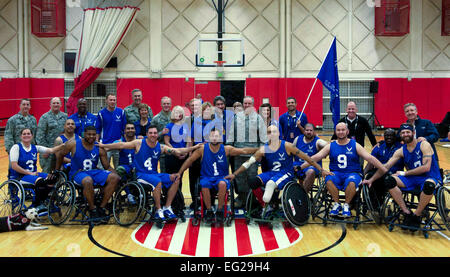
41 210
168 213
346 211
415 221
209 216
159 215
336 210
220 216
94 216
266 212
101 212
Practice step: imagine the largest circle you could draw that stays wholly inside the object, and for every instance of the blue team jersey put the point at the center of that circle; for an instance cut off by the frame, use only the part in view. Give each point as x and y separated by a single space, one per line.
82 122
110 125
27 161
383 153
279 160
64 140
344 158
84 159
178 134
309 149
126 156
414 159
214 164
146 160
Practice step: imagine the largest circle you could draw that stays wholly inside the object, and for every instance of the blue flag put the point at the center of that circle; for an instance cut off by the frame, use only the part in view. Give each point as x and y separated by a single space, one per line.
328 75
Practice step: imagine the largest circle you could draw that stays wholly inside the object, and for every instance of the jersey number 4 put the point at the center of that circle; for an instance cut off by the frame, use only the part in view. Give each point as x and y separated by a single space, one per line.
148 164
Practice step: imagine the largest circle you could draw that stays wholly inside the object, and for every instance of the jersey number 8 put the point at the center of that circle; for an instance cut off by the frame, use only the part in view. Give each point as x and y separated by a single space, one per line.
87 164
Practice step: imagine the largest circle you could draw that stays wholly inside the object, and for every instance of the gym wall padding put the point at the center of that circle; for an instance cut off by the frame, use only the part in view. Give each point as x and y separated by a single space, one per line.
39 91
430 95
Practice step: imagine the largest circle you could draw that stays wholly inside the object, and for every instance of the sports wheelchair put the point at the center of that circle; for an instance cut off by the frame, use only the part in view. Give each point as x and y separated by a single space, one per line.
295 207
200 209
134 201
17 195
362 211
392 214
67 201
315 186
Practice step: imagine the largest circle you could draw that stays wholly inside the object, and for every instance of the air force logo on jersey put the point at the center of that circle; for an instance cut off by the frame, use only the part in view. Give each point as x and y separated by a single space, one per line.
349 150
237 240
282 157
118 118
418 153
155 154
221 160
34 156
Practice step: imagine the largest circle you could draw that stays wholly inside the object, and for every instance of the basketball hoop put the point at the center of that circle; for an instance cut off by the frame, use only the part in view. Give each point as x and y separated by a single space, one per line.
220 65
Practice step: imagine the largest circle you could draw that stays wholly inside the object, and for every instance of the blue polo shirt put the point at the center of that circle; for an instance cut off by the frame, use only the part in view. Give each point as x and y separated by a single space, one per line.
288 125
110 124
82 122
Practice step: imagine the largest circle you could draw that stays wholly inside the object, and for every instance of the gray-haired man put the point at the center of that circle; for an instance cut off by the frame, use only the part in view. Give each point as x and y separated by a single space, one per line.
50 126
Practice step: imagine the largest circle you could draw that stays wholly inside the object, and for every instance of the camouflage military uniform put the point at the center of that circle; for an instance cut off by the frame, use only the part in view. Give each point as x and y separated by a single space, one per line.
160 121
246 131
50 126
15 124
132 113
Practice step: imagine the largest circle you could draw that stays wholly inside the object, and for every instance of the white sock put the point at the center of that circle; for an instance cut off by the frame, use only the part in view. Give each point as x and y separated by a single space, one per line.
160 212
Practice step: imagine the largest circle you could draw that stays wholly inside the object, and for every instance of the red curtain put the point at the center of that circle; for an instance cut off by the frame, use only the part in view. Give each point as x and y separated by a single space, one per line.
81 83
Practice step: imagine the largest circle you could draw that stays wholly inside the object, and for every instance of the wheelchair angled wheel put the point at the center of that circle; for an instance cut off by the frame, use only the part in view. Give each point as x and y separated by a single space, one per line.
61 203
443 204
252 207
198 205
230 213
12 197
128 203
372 203
317 206
296 204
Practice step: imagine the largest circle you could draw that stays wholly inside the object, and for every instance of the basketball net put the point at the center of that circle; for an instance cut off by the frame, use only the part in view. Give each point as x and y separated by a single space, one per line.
220 71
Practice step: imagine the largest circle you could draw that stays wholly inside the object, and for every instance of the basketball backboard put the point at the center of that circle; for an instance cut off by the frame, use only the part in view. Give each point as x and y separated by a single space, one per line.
208 52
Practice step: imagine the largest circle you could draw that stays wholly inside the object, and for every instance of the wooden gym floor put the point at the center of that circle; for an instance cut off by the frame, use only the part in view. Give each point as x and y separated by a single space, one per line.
313 239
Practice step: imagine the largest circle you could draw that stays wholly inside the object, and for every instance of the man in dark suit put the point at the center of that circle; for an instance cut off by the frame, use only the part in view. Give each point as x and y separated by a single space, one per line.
424 128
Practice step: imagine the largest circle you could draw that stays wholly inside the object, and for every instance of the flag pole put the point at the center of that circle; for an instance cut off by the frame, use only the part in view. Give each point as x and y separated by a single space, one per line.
315 80
307 99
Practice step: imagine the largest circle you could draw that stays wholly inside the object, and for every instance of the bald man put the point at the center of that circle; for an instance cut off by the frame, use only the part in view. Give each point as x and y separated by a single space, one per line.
50 126
344 155
358 126
82 117
68 134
